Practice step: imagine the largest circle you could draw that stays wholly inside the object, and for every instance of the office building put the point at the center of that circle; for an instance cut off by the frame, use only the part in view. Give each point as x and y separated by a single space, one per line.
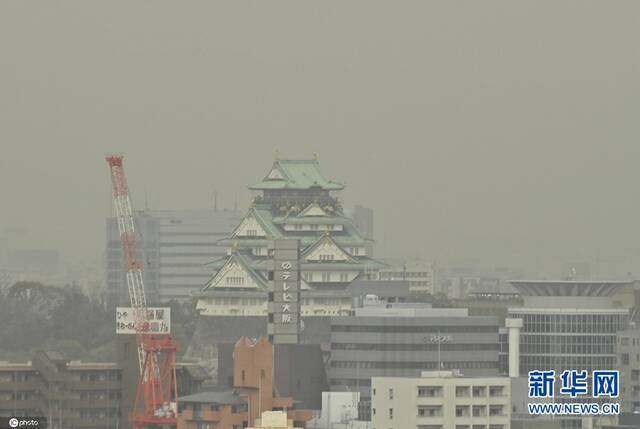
440 400
175 247
419 274
402 340
567 325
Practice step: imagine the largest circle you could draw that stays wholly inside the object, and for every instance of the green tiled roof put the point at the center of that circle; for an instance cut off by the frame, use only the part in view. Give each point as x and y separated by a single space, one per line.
324 220
245 262
265 219
297 174
305 240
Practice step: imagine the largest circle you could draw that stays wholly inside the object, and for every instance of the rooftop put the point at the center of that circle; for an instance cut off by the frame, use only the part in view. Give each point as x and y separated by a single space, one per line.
227 397
296 174
586 288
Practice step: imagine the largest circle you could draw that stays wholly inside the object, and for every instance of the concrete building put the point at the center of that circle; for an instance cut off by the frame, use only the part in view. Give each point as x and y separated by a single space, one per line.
419 274
440 400
363 221
70 394
403 340
175 247
252 393
339 411
567 325
296 202
388 291
628 351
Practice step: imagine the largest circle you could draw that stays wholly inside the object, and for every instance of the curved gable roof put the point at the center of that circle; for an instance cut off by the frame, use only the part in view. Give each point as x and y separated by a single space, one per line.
296 174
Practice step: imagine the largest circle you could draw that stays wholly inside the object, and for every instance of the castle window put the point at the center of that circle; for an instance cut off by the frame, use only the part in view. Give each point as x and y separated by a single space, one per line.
235 280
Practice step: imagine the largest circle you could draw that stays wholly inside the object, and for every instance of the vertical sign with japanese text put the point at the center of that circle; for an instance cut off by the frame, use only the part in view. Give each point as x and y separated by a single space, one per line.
284 296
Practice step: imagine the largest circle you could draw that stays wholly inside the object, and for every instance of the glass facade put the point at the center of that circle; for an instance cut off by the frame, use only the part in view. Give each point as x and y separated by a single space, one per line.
562 341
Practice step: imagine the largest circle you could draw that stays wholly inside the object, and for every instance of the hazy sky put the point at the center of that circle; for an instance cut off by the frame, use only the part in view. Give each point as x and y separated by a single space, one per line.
503 132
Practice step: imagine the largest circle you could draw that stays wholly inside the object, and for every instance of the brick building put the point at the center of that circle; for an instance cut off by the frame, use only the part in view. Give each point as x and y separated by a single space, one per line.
252 393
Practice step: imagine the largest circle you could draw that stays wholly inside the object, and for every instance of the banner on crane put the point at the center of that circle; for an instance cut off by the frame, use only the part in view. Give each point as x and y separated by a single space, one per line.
157 321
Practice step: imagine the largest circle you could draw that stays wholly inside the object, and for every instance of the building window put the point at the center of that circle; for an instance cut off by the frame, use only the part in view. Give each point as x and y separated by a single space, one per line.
344 277
252 232
430 411
326 257
390 393
326 276
429 391
235 280
390 413
462 391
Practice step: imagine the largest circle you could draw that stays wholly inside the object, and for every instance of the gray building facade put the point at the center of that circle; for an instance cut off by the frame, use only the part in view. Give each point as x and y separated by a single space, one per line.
404 340
175 247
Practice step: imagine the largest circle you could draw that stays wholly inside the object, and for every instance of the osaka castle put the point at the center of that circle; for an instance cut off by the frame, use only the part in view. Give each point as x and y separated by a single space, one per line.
294 201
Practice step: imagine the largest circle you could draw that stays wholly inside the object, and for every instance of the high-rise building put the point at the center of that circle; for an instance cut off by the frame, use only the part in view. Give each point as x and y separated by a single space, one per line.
441 400
402 340
296 202
175 248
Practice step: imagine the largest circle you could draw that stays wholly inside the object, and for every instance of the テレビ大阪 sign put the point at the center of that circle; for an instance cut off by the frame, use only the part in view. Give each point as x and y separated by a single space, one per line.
284 293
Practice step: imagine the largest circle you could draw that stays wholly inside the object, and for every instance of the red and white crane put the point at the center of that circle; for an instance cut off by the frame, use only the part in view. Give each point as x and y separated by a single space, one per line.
156 394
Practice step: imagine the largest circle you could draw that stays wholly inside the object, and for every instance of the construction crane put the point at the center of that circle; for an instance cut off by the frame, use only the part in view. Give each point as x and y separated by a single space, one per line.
156 393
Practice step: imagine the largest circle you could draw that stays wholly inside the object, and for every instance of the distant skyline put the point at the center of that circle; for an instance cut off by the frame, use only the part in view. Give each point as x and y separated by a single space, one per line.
498 133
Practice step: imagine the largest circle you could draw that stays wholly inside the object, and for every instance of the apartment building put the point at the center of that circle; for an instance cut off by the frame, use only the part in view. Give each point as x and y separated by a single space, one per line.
70 394
440 400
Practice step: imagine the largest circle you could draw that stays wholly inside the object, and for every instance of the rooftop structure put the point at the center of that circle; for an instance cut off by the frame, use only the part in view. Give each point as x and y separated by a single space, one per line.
594 288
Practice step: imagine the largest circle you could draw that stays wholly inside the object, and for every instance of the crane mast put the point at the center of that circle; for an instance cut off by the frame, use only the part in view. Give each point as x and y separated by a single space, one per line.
156 394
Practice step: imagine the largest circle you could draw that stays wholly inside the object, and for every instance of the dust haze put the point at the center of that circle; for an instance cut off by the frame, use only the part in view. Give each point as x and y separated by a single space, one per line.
499 133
